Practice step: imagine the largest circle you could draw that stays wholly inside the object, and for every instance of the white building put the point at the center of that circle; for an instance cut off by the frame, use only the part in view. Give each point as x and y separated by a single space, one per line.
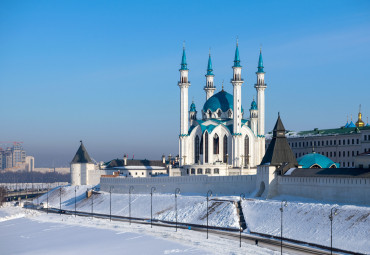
224 141
30 164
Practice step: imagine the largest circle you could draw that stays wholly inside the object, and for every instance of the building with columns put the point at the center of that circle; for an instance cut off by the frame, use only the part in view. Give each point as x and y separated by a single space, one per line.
225 140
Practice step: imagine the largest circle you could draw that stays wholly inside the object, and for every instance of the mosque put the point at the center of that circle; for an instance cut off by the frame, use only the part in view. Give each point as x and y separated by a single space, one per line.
225 141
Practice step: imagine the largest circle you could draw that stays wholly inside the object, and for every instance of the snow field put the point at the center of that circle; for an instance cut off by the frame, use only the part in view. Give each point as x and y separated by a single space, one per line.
41 233
309 222
190 209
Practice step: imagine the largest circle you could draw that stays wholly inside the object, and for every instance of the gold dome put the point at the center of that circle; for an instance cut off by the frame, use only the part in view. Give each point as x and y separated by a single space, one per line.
360 123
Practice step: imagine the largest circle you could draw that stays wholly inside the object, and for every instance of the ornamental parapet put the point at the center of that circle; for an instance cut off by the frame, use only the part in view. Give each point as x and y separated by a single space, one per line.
183 135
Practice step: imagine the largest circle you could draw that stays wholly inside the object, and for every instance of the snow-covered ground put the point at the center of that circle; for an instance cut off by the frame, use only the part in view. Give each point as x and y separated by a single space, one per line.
306 221
309 222
191 209
25 231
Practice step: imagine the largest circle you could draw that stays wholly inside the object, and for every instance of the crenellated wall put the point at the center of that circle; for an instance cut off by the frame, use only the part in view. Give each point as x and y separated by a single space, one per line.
333 189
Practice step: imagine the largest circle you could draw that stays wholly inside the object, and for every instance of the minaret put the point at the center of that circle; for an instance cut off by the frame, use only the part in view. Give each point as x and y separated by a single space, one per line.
237 82
253 116
192 113
184 122
209 88
260 87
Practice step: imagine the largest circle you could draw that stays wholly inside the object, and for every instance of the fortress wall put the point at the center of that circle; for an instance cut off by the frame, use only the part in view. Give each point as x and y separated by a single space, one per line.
333 189
220 185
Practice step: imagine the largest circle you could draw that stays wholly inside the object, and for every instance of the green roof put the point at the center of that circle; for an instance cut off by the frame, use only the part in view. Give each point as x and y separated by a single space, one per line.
336 131
309 160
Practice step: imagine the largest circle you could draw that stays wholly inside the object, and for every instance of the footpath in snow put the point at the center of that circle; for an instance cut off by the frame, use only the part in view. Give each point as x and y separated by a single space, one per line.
303 221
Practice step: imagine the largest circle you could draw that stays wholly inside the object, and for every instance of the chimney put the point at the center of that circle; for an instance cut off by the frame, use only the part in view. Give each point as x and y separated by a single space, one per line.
125 160
163 159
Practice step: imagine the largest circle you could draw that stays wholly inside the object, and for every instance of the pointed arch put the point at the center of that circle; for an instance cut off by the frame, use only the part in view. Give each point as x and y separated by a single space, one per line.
246 150
196 149
225 149
216 147
206 147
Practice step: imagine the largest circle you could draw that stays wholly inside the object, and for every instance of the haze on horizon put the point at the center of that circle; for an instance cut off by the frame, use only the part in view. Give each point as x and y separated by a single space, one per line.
106 72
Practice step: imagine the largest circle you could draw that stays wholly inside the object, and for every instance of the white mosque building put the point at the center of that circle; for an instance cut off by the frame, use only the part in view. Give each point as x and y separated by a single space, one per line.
225 141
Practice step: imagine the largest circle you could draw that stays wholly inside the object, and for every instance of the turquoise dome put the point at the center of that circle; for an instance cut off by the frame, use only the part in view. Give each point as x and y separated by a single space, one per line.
222 100
253 105
351 125
309 160
192 107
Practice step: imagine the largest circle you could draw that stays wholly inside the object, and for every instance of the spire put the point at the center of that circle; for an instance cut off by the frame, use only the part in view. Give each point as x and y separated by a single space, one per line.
260 63
222 85
237 58
81 155
192 107
209 68
184 65
279 152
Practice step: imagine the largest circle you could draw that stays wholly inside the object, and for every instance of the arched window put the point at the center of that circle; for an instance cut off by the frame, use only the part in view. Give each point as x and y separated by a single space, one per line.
225 149
196 149
201 145
219 113
246 150
230 114
206 147
209 114
215 144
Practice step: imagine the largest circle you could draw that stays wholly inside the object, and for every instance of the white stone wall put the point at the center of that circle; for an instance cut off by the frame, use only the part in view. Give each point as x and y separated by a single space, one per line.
220 185
338 190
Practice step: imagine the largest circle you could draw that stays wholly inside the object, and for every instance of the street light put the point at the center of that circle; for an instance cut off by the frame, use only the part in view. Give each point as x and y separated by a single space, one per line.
75 201
331 227
47 200
60 200
151 206
129 202
177 191
92 204
209 193
283 203
110 203
242 196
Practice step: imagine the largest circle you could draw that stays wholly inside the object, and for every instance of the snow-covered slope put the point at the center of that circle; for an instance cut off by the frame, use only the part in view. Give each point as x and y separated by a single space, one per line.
310 222
304 221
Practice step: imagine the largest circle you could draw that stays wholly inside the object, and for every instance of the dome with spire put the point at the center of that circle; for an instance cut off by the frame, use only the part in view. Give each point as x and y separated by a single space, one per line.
316 160
351 125
221 100
192 107
253 105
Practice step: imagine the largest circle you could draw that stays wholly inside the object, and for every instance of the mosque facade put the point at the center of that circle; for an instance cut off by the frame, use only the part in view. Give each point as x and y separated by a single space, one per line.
225 140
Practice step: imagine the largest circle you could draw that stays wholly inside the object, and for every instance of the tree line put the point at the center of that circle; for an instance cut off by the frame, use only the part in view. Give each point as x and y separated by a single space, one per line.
28 177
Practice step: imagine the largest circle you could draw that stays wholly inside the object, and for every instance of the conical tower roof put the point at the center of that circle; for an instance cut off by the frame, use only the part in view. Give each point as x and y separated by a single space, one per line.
184 65
209 67
260 63
279 151
81 156
237 58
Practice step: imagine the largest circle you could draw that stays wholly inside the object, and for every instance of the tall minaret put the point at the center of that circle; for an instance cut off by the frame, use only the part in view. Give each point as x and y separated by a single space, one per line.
209 88
237 82
260 87
184 120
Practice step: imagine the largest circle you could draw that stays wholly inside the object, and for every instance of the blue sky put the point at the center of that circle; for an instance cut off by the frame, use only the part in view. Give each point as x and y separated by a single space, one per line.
106 72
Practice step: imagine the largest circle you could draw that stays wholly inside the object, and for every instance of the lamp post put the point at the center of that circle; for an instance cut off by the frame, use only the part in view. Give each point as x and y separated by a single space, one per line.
242 196
129 201
92 204
283 203
331 227
75 201
151 206
110 203
177 191
209 193
47 200
60 200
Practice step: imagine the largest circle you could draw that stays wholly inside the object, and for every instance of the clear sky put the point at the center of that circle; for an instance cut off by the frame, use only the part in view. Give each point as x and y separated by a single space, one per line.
106 72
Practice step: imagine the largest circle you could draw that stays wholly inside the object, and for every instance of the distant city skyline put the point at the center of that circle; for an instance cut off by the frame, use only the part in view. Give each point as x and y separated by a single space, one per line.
107 72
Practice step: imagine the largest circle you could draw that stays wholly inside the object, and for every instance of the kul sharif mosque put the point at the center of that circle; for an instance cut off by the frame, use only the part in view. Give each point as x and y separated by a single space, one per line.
226 138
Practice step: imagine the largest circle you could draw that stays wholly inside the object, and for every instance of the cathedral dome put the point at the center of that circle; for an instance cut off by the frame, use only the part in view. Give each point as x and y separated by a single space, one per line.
222 100
316 160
